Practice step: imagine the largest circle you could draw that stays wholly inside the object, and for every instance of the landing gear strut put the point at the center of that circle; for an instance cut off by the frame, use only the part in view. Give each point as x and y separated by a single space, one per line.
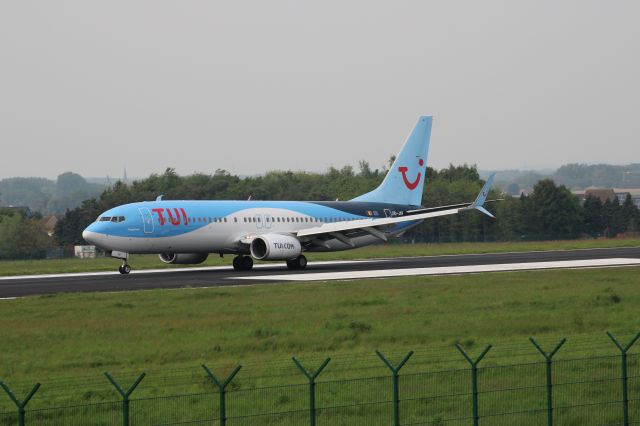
124 268
299 262
242 263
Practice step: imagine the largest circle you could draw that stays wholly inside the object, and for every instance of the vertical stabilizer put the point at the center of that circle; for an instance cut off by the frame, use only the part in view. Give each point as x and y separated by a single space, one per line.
405 180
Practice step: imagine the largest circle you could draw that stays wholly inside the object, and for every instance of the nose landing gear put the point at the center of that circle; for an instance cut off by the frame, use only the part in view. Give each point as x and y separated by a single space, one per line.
242 263
124 269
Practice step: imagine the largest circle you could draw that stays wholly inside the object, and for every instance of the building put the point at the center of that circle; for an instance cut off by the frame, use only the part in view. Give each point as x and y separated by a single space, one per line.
621 193
603 194
610 194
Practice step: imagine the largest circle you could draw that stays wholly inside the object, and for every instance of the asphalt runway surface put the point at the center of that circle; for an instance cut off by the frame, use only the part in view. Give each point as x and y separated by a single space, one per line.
224 276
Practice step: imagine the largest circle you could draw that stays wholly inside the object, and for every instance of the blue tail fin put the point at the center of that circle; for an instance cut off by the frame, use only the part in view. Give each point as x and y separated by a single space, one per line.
405 181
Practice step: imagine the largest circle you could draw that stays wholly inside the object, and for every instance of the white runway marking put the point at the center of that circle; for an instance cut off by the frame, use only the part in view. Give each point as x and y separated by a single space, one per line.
167 270
385 273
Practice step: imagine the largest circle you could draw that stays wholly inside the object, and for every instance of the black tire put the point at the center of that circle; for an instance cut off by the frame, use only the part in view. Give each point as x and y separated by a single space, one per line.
124 269
247 263
299 262
237 263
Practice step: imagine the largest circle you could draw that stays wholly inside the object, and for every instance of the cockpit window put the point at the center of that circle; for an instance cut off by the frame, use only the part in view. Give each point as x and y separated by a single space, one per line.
115 219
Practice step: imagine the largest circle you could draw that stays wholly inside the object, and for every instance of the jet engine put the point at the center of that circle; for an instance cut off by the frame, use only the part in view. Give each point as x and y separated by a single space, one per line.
275 247
183 258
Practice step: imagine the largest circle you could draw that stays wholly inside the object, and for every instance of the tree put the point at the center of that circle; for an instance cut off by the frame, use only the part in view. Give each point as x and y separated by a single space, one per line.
22 238
611 214
593 216
553 212
629 215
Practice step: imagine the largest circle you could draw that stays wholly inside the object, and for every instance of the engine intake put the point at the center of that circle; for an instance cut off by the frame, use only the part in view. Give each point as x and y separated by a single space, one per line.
183 258
275 247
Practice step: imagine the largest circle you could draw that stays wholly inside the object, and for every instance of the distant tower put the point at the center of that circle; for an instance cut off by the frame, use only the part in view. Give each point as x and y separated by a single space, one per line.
124 178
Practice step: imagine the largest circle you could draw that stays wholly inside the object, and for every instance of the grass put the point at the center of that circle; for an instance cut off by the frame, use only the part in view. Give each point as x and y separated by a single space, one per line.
67 341
29 267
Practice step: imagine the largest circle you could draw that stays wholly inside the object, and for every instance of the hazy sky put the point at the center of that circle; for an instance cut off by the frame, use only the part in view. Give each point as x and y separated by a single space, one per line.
92 86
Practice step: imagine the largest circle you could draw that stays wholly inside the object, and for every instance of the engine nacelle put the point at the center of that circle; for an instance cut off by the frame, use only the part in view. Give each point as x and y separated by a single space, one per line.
275 247
183 258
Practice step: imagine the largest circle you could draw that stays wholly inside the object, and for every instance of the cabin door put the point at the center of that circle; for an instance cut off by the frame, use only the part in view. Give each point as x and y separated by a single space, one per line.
147 220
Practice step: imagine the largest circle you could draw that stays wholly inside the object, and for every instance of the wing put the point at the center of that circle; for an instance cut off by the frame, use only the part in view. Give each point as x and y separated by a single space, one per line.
379 227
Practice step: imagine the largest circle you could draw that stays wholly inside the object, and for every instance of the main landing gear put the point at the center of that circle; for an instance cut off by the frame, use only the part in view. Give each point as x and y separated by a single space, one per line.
242 263
299 262
245 263
124 269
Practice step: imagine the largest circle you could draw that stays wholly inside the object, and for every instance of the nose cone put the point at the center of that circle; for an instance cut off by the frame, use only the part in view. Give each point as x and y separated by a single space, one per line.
89 234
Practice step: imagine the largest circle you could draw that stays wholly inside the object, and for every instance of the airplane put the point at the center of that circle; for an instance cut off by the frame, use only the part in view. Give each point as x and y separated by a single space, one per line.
186 232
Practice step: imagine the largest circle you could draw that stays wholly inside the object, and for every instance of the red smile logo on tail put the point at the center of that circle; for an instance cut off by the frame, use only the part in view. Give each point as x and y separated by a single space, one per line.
409 184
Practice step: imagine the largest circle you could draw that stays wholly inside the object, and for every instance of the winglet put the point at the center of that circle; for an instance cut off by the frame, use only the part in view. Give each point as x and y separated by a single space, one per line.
478 204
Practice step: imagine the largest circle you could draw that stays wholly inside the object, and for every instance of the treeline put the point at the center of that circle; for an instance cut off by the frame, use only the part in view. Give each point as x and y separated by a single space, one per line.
580 176
48 196
22 237
574 176
548 212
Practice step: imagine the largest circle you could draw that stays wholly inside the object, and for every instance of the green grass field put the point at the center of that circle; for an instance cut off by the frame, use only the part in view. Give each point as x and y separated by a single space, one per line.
82 335
28 267
67 341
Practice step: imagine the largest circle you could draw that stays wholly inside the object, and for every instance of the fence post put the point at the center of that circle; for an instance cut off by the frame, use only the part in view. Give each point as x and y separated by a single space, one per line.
312 386
222 390
548 357
396 380
474 379
625 376
125 395
20 404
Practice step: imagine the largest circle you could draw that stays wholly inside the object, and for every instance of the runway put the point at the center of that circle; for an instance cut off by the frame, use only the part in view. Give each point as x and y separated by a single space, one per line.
342 270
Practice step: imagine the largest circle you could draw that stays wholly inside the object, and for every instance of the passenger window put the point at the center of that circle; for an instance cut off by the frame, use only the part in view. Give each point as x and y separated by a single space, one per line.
235 219
225 220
